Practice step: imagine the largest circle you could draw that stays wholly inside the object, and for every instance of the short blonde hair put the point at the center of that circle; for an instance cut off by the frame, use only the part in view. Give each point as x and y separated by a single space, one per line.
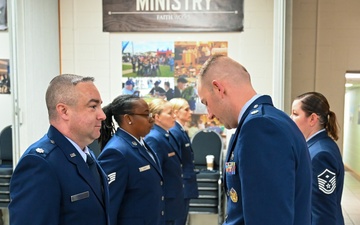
157 105
178 103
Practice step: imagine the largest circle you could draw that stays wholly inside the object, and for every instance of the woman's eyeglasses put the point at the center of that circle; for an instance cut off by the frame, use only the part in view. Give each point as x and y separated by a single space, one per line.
149 116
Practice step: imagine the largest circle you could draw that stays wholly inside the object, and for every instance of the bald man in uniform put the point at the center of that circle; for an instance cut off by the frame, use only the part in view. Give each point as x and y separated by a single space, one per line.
267 175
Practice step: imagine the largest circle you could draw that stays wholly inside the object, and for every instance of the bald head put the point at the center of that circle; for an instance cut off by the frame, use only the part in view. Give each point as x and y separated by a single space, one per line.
224 86
221 67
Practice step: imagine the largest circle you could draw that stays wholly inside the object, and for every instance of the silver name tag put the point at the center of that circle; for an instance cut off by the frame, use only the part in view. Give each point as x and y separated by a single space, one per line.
80 196
144 168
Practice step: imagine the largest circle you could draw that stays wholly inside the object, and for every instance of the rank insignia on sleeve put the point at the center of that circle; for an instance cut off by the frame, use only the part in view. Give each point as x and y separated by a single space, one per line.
111 177
327 182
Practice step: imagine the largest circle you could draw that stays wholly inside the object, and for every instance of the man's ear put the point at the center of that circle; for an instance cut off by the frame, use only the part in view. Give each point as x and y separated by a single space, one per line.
63 111
218 87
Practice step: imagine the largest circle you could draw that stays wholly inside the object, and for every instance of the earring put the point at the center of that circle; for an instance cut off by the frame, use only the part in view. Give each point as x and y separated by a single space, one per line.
130 122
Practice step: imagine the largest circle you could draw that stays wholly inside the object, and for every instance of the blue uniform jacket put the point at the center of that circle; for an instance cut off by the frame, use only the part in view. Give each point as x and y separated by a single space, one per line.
167 150
267 169
328 180
187 160
135 182
52 185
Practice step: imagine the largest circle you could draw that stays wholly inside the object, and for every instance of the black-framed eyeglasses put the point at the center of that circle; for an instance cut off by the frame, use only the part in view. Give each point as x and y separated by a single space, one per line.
149 116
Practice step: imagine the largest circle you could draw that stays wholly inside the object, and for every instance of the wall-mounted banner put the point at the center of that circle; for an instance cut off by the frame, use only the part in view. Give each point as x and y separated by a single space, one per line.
173 15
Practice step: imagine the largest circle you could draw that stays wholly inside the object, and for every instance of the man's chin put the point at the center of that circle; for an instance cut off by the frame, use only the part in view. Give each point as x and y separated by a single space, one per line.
96 136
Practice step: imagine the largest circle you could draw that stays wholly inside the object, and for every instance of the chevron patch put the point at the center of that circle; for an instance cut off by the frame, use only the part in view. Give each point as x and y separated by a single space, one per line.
111 177
327 182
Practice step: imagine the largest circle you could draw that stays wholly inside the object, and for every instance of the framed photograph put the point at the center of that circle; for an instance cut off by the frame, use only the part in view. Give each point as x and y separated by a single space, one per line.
3 15
147 58
4 76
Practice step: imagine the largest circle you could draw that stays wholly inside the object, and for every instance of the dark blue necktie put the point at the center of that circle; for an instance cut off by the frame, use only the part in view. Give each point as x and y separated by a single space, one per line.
93 168
150 153
173 143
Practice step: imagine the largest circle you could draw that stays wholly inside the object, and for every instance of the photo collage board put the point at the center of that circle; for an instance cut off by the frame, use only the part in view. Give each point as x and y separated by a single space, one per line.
160 69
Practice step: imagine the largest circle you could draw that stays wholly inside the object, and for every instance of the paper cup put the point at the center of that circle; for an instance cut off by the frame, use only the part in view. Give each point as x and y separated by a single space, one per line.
210 162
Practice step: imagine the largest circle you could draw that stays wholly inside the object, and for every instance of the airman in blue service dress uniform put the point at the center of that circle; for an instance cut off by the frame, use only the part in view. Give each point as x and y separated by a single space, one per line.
52 184
135 176
42 169
187 159
311 112
135 181
267 175
183 114
168 152
328 180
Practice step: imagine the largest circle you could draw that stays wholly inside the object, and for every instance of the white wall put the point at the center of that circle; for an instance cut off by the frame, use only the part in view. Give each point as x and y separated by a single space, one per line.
86 50
35 61
351 149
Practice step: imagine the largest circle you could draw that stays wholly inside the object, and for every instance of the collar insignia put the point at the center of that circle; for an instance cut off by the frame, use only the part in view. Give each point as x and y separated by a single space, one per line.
40 150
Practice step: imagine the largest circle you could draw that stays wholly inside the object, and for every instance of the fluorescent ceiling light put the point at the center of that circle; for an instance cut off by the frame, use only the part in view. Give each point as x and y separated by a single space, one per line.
352 75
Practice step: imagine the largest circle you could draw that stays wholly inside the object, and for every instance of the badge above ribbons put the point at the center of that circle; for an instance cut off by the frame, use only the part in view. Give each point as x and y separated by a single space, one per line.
327 181
233 195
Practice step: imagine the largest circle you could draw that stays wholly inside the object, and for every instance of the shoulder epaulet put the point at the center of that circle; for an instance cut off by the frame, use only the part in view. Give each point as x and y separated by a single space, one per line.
42 148
256 110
